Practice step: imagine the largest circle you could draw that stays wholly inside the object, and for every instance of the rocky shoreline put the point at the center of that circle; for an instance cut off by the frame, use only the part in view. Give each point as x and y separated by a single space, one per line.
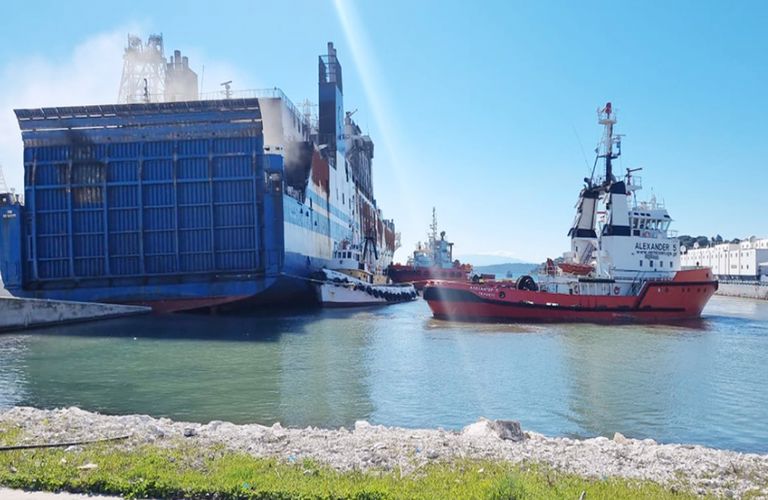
373 447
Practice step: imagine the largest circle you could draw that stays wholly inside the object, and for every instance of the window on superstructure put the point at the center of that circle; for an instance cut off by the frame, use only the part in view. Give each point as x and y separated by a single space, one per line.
641 262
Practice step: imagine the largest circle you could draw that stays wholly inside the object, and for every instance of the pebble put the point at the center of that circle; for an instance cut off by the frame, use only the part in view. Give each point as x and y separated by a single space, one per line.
367 446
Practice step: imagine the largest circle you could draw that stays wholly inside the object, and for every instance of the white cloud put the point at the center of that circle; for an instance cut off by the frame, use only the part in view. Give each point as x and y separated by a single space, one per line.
89 74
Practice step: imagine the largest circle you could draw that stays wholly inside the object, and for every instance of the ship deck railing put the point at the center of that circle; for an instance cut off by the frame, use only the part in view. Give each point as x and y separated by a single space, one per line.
221 95
274 93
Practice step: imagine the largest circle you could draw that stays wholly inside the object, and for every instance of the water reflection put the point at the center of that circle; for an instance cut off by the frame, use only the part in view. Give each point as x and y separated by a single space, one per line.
258 368
631 379
323 376
12 353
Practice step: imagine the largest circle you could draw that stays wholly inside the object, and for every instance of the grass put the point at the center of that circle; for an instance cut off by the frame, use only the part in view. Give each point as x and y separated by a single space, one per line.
188 471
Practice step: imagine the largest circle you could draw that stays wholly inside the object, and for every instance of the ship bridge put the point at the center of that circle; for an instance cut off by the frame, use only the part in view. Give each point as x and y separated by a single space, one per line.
649 221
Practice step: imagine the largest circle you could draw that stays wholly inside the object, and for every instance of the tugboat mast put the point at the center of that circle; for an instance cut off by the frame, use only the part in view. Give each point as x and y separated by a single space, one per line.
607 118
433 226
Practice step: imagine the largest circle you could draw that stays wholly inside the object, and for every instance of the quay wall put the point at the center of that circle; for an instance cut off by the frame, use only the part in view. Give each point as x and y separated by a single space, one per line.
747 290
20 313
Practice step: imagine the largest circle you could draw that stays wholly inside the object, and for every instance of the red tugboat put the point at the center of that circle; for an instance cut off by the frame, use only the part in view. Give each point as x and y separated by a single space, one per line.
433 261
624 267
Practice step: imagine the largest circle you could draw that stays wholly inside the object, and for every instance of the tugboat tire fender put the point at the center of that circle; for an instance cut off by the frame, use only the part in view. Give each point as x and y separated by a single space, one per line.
525 282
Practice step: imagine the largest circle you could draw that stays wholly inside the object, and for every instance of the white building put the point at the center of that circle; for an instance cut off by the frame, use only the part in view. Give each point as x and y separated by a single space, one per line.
745 260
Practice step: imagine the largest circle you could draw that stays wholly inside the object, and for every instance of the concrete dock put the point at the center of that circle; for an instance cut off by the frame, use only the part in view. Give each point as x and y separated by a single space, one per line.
21 313
743 289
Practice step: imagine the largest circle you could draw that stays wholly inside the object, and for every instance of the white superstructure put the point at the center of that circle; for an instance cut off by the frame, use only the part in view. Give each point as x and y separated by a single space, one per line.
615 238
747 260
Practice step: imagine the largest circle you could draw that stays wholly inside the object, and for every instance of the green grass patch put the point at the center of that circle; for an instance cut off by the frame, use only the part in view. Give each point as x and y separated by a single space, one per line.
187 471
9 434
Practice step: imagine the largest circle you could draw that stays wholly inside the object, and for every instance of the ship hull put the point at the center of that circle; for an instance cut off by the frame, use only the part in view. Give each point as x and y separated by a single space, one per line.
337 289
420 276
682 298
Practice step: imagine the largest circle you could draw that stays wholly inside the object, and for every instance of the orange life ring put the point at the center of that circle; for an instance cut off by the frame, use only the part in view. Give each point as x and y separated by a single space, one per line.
616 290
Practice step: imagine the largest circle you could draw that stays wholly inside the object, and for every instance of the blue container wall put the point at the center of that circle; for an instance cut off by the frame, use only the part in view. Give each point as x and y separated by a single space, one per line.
10 243
137 209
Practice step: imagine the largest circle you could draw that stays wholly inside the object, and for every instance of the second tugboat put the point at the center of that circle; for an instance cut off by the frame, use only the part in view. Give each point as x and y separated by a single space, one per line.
354 279
625 269
433 261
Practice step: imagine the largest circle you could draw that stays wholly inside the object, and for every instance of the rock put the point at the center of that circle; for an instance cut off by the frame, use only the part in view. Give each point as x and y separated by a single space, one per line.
214 425
432 454
508 429
362 425
619 438
504 429
88 466
189 432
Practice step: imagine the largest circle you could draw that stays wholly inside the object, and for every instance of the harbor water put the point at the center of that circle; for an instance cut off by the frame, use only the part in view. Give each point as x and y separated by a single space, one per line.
703 382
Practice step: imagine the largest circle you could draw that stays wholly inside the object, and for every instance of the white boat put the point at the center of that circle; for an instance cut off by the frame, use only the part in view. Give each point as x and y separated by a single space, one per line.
351 283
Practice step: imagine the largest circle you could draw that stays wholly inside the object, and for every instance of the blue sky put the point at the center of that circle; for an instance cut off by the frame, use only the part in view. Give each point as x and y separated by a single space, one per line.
485 110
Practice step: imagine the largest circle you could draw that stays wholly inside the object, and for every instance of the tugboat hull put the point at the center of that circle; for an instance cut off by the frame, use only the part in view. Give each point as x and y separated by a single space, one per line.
658 301
336 289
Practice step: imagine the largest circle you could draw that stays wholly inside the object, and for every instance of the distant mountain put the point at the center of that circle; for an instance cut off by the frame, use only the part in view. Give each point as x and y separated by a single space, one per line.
486 259
513 268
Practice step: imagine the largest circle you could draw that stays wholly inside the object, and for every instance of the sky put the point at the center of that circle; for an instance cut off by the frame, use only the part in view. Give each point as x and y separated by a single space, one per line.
484 110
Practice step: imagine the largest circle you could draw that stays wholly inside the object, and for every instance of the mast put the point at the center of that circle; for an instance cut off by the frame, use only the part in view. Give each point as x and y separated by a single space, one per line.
433 226
607 118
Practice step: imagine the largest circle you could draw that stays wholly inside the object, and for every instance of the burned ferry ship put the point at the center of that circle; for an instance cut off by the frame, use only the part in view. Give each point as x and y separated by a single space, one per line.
188 203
